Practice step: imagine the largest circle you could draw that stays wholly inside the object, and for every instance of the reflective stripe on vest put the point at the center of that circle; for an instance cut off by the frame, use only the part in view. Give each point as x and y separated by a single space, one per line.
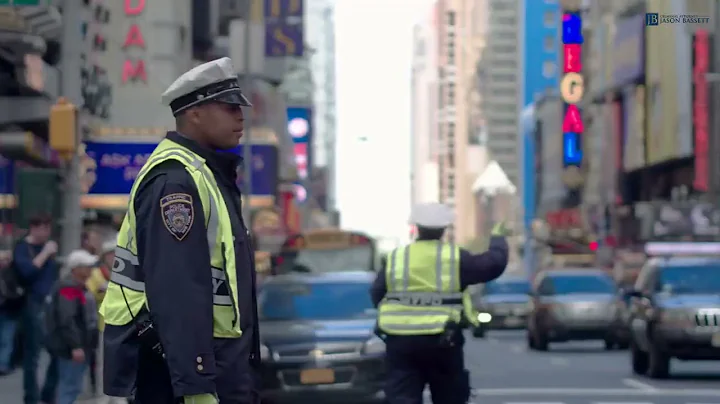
471 315
421 299
126 291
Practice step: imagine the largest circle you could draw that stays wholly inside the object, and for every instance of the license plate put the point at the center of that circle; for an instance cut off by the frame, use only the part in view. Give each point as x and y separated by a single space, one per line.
715 341
317 376
512 321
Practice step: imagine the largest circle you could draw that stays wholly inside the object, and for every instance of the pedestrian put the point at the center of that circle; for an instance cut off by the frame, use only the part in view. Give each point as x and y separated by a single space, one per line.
12 299
34 259
96 285
420 308
71 323
91 241
182 298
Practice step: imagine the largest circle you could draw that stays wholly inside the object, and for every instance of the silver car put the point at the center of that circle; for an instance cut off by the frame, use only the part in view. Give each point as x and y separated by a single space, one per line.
572 305
502 304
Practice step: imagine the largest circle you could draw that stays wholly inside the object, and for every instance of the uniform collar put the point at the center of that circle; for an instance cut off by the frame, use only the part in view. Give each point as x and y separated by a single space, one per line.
227 163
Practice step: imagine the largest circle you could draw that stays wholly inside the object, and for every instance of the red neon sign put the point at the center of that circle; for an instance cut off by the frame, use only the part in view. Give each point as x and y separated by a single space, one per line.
134 70
700 109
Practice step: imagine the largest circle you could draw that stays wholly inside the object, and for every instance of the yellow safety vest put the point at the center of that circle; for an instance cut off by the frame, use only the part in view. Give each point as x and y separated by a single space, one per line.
423 289
127 276
471 315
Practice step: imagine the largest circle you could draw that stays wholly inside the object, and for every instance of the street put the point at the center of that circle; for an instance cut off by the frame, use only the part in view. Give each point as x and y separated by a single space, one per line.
504 372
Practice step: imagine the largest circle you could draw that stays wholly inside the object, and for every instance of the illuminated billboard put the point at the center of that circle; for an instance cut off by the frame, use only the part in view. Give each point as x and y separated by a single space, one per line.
572 89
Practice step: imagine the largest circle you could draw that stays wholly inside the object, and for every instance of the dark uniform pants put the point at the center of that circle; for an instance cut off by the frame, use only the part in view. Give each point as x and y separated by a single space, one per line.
414 362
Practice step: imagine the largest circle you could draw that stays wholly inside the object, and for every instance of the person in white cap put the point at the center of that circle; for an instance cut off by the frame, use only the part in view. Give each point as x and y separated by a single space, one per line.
71 324
180 310
420 308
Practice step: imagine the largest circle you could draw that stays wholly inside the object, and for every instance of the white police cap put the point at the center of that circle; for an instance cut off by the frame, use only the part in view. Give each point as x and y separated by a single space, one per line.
214 81
432 215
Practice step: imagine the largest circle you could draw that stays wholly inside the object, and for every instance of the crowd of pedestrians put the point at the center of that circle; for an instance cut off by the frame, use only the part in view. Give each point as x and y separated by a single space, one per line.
52 307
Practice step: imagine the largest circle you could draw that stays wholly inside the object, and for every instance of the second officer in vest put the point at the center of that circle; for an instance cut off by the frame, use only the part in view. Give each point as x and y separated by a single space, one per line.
420 309
180 310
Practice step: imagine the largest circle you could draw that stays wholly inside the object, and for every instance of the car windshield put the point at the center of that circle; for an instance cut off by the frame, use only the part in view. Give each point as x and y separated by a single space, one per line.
698 279
569 284
507 288
315 301
358 258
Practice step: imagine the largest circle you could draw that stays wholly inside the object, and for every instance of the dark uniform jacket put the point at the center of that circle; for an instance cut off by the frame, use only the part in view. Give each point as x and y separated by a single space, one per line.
179 288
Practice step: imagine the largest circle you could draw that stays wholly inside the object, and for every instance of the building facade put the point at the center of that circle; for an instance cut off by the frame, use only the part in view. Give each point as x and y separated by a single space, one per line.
424 98
460 29
500 72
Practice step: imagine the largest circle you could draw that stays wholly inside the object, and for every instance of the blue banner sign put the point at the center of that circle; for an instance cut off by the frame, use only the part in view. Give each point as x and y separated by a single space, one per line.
300 124
117 165
283 39
7 176
277 9
264 170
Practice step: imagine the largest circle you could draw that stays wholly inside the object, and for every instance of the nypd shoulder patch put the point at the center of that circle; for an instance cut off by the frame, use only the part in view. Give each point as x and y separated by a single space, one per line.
178 214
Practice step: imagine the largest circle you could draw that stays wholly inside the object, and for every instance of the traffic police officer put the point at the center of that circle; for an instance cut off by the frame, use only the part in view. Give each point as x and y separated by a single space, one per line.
180 310
419 297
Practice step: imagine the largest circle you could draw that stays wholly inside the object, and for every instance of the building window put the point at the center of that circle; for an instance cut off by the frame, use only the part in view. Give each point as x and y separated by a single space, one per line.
549 69
550 19
549 43
451 159
450 18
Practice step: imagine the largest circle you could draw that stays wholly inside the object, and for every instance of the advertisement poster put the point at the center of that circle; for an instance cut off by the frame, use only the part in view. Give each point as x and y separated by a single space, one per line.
7 176
300 129
684 67
662 89
613 149
634 125
265 170
116 167
7 183
629 43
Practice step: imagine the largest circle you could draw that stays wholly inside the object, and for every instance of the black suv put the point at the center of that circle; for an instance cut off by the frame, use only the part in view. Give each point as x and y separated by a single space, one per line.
674 313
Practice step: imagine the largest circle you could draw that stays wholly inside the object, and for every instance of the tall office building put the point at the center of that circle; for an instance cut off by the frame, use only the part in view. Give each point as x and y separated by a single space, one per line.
320 31
457 30
500 74
424 99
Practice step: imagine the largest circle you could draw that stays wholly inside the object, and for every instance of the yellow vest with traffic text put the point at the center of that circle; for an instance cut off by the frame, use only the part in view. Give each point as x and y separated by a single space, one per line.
423 289
125 295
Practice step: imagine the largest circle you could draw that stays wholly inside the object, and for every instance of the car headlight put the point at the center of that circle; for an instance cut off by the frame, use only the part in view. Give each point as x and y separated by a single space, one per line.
265 353
374 346
484 317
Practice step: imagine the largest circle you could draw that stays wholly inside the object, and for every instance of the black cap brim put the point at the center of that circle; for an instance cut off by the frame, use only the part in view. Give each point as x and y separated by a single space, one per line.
234 97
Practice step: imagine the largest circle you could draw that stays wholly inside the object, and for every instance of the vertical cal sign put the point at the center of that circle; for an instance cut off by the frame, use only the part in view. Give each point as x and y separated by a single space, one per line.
701 50
572 89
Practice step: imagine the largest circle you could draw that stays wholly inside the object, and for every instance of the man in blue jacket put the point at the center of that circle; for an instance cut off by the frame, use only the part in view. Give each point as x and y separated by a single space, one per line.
34 259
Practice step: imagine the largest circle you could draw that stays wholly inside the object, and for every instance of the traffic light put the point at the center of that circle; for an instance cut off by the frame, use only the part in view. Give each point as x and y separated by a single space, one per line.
63 127
593 246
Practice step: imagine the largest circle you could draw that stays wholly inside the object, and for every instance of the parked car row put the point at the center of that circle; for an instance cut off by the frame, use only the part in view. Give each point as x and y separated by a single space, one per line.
671 311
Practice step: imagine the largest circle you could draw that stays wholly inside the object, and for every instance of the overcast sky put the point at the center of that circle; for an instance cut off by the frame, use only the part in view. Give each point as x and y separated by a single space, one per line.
374 48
